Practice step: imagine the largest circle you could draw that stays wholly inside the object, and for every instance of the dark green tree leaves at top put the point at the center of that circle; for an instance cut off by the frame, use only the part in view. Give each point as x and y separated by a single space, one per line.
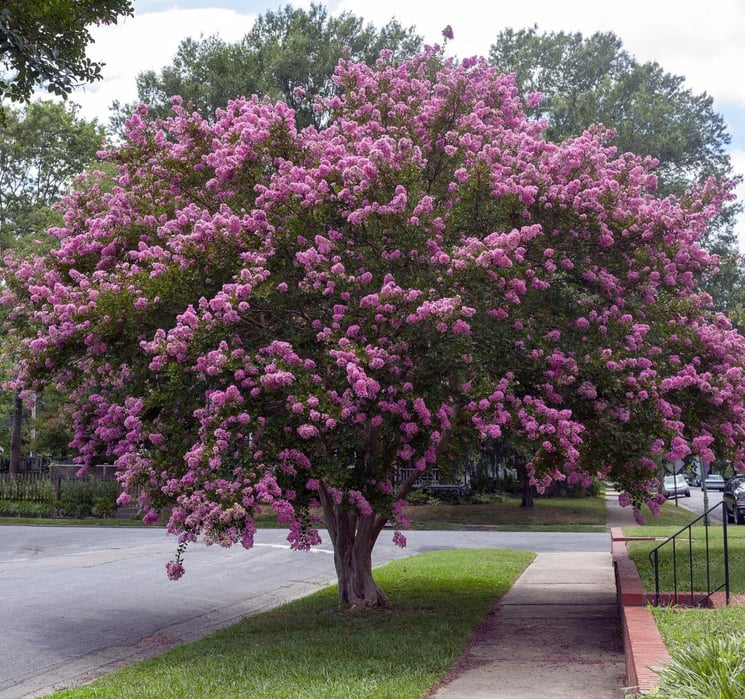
594 80
289 54
44 42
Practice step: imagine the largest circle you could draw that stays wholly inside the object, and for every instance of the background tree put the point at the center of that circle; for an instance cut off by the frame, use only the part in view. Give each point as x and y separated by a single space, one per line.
43 146
593 80
584 81
256 316
43 44
289 54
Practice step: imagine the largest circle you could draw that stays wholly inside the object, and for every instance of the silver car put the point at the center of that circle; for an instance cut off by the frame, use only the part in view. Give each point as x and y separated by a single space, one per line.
714 482
675 485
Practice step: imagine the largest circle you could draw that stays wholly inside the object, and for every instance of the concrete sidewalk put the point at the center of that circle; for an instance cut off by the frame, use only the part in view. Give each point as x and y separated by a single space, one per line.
556 633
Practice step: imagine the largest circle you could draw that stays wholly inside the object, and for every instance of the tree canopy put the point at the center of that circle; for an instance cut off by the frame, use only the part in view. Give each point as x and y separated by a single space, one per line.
43 147
289 54
256 316
594 80
44 43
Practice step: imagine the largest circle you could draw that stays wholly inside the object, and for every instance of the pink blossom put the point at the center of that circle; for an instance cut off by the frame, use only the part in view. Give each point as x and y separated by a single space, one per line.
174 570
307 431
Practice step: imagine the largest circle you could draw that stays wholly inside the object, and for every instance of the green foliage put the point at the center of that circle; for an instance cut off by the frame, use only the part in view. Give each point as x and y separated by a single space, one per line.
20 488
289 54
43 42
422 497
593 80
88 498
309 649
43 146
711 667
25 508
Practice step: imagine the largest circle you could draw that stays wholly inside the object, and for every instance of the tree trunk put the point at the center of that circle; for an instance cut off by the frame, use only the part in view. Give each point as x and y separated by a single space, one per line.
15 437
353 536
527 493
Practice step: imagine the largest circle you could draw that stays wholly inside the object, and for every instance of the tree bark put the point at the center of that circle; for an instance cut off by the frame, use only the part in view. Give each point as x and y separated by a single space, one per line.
527 492
15 437
353 536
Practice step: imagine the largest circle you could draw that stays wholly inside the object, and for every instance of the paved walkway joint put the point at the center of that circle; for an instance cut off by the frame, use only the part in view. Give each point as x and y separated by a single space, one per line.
556 633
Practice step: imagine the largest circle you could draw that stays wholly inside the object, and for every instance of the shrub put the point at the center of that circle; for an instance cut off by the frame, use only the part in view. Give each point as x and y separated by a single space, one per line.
712 667
25 508
422 497
105 494
20 488
88 498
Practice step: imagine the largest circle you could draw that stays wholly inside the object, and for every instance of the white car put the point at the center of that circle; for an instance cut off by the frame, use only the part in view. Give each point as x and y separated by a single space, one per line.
675 485
714 482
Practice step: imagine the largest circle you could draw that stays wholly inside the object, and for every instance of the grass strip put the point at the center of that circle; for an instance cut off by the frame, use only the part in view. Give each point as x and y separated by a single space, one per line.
546 512
690 558
680 626
554 514
309 649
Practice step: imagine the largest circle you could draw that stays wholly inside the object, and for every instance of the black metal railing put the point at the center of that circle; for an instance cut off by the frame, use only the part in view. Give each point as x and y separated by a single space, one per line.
692 563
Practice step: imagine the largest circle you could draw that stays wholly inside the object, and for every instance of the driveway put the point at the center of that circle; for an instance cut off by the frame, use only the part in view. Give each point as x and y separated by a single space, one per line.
81 601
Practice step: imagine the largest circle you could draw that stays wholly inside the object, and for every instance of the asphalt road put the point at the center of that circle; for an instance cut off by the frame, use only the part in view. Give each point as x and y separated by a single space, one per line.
696 502
79 602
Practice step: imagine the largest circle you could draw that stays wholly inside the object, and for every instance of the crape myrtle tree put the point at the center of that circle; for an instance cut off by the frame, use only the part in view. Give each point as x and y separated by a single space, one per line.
43 146
260 317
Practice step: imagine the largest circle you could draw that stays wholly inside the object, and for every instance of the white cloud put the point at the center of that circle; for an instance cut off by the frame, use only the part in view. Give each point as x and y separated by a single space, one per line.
148 42
701 40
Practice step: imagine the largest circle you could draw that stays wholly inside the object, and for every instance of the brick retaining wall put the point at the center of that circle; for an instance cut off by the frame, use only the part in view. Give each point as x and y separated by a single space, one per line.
642 642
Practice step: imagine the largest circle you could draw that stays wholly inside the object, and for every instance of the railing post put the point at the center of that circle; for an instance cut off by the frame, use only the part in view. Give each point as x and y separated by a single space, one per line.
726 553
672 541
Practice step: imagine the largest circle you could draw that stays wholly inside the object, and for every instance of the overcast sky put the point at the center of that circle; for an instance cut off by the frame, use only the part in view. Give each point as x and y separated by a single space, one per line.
704 41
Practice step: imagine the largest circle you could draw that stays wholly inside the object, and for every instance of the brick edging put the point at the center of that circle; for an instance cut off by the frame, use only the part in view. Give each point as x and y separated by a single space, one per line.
643 646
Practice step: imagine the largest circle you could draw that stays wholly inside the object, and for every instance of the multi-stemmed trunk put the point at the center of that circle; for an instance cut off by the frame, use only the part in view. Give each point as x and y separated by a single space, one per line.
353 536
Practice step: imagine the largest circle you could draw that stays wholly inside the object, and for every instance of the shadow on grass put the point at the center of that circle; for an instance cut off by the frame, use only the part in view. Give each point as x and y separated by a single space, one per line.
312 649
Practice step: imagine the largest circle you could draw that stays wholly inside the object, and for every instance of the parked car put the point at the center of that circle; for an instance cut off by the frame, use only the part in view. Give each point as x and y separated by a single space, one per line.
714 482
675 485
734 499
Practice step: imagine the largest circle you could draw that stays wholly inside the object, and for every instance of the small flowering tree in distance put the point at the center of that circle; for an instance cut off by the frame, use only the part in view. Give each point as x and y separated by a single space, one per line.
253 317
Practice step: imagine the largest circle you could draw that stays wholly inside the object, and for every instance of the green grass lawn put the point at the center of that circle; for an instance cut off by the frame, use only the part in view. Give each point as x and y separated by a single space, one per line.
696 638
553 513
561 513
670 516
680 626
690 558
309 649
